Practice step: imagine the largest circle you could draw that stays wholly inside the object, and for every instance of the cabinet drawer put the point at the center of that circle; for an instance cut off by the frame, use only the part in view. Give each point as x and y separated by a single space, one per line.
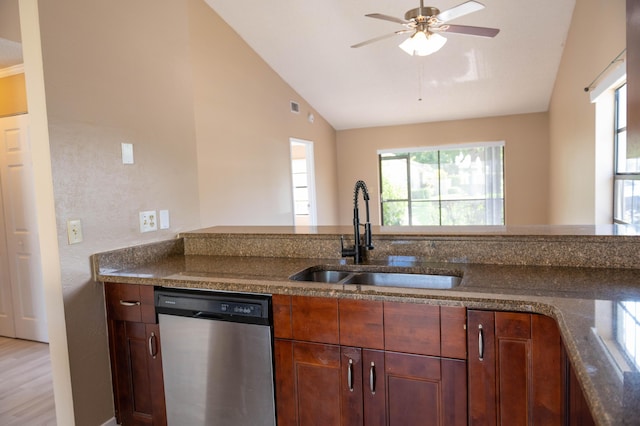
314 319
130 302
412 328
453 332
361 323
281 305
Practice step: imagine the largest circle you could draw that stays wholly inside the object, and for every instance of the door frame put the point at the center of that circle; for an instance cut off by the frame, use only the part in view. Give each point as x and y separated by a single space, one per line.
311 179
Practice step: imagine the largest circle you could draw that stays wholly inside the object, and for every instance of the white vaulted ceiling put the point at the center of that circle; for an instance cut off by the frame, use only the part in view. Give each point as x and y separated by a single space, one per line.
308 44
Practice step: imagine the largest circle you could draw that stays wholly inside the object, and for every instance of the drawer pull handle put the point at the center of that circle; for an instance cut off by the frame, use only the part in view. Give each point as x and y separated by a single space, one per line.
129 303
152 345
350 375
372 378
480 342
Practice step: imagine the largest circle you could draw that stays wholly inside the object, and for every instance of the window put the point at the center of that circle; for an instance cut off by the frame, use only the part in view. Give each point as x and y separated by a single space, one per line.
461 185
627 328
626 190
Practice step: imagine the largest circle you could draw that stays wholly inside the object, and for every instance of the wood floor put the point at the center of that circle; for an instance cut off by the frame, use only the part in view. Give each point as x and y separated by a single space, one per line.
26 390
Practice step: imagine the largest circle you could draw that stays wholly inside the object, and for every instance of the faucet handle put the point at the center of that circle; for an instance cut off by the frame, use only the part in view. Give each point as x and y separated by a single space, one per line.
368 239
345 252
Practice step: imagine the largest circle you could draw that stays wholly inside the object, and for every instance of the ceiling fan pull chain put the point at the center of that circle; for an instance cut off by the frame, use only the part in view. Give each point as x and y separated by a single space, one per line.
420 70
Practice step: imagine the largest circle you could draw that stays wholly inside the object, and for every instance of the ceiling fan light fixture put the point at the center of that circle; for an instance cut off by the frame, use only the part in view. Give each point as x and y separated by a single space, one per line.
423 43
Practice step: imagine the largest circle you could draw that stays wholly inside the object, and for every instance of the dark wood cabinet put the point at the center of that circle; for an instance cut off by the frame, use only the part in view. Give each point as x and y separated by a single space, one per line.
425 390
517 373
136 362
352 362
515 369
577 411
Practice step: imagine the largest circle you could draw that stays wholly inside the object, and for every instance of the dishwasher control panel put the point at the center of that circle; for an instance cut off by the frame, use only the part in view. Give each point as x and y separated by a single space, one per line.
248 309
252 308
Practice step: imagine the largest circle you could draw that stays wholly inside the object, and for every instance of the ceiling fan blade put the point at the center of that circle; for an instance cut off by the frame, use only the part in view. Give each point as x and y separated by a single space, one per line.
460 10
469 30
382 37
387 18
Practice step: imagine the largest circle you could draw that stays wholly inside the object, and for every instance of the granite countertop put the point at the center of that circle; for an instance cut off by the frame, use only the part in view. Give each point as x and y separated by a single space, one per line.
585 301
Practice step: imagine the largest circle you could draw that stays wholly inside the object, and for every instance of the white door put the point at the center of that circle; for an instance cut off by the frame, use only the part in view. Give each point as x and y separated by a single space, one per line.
22 245
7 327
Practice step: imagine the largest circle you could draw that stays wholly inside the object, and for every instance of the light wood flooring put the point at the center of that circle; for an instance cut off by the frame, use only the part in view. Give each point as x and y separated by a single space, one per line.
26 389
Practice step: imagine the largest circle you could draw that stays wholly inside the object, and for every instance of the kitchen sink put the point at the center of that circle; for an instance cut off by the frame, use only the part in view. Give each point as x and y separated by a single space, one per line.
395 279
377 278
321 276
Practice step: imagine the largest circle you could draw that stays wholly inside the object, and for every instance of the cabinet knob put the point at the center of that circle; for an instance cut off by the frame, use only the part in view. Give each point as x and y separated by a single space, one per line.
350 375
129 303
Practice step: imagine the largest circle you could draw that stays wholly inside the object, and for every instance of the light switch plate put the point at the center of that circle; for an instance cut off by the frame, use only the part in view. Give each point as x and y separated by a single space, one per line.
148 221
74 231
127 153
164 219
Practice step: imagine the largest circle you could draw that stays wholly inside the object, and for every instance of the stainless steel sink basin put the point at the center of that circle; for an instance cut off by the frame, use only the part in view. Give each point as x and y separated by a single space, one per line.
378 278
394 279
321 276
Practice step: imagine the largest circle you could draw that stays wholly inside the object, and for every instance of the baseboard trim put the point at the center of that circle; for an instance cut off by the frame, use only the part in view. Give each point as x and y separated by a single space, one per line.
110 422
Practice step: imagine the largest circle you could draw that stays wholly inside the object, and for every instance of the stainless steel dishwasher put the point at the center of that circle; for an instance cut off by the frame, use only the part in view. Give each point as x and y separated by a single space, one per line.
216 357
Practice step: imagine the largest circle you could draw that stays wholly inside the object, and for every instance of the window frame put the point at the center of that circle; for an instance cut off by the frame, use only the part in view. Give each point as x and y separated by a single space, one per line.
618 176
438 149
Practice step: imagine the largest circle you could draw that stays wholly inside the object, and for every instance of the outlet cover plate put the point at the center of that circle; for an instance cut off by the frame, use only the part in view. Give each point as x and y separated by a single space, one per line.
164 219
148 221
127 153
74 231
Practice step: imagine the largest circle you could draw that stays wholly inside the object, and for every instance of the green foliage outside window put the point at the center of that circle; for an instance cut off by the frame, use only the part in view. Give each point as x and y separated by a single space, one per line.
461 186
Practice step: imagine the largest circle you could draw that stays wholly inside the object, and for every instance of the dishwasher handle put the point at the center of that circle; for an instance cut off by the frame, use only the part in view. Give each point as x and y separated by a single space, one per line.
208 315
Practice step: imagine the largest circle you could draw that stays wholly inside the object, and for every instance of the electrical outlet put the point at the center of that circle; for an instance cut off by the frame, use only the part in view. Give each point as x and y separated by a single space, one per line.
74 231
148 221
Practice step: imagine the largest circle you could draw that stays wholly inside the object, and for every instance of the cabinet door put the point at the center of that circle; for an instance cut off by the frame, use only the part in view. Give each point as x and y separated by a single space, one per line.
309 382
351 387
318 384
577 412
137 373
425 390
482 368
513 365
373 388
515 369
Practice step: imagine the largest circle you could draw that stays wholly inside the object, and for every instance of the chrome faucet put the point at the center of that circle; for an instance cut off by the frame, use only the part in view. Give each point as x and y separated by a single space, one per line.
360 244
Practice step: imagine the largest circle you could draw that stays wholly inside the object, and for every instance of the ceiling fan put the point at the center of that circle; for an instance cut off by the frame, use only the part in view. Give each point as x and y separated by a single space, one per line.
426 24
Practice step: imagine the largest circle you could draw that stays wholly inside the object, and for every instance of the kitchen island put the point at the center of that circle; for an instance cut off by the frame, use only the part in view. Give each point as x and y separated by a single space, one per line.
585 278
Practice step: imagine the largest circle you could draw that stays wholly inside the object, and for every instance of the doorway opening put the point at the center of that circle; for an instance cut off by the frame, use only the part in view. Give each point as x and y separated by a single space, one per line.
303 183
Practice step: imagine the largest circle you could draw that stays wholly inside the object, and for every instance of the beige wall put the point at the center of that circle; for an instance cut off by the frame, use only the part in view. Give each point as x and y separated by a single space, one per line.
210 125
114 72
9 22
13 97
596 37
526 151
243 126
